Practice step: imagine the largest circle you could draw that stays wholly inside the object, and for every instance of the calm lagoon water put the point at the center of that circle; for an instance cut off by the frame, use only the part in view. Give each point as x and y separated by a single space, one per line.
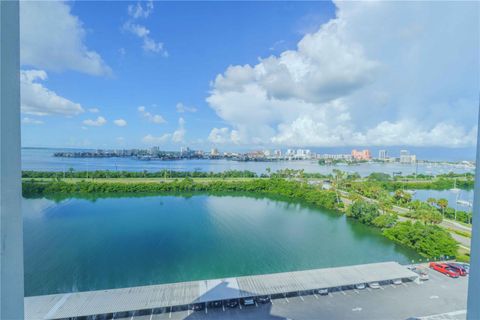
452 197
78 244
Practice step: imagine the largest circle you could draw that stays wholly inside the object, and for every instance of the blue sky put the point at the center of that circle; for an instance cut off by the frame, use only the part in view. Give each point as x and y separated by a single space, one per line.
246 75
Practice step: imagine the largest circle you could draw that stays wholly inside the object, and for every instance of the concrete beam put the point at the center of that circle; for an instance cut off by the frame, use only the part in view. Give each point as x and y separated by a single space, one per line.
11 232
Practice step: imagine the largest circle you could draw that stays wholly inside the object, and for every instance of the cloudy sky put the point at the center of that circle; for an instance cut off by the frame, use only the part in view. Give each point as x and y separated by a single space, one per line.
249 75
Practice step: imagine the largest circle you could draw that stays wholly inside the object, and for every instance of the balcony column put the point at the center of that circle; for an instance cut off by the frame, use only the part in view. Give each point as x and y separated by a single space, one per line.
473 304
11 232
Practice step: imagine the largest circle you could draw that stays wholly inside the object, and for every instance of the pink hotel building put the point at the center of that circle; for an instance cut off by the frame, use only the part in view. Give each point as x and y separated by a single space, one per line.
361 155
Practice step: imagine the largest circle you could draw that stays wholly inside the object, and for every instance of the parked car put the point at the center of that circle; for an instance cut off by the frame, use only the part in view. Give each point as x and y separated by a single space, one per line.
215 304
263 299
248 302
444 268
360 286
397 281
374 285
233 303
198 307
322 292
466 266
422 273
459 268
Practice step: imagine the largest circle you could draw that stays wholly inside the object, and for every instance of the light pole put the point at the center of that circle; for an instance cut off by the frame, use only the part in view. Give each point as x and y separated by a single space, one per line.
11 232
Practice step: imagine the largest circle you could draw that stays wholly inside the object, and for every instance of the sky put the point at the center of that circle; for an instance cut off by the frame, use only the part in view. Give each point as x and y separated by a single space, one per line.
247 75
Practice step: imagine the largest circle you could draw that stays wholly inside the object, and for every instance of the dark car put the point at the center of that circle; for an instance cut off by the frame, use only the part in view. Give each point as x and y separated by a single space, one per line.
232 303
215 304
263 299
459 268
198 307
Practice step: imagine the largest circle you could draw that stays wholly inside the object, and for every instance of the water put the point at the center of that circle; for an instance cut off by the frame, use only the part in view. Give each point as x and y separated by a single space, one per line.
466 195
43 160
79 244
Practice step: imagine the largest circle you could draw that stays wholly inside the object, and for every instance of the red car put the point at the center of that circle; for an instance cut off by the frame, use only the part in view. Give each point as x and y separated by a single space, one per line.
445 269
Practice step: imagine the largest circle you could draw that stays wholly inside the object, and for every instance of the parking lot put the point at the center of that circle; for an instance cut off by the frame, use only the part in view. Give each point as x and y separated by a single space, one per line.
438 295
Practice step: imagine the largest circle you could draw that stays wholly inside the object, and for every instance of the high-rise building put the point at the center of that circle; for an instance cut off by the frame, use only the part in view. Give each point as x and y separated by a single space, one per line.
361 155
382 154
406 157
214 152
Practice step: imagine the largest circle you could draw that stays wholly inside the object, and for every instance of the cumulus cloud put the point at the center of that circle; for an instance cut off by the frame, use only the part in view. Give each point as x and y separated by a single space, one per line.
27 120
155 118
53 39
138 11
414 83
100 121
223 136
36 99
148 43
181 108
178 135
120 122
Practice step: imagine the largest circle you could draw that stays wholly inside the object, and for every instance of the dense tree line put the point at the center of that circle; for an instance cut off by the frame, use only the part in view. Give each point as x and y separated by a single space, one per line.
370 214
102 174
429 240
279 187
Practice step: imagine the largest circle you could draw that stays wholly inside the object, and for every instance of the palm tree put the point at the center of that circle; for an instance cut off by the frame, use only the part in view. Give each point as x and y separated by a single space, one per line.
431 201
443 204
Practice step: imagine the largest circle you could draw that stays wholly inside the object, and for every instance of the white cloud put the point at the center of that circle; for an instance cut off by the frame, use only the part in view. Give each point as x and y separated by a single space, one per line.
223 136
27 120
52 38
138 11
154 140
155 118
38 100
181 108
415 82
94 110
100 121
120 122
179 134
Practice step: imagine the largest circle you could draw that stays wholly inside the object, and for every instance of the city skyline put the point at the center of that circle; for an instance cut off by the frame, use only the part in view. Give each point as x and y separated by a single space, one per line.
297 75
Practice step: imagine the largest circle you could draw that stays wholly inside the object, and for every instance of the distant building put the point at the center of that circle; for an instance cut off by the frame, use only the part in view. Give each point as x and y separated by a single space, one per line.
277 153
154 150
407 158
214 152
361 155
345 157
382 155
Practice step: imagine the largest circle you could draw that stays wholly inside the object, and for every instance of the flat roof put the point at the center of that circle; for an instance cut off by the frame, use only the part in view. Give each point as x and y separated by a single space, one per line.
183 293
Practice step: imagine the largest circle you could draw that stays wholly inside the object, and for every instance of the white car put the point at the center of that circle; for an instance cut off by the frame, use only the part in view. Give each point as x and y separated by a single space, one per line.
397 281
360 286
322 292
374 285
248 302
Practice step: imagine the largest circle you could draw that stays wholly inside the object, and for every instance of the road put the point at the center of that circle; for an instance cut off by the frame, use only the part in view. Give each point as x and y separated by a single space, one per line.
447 224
